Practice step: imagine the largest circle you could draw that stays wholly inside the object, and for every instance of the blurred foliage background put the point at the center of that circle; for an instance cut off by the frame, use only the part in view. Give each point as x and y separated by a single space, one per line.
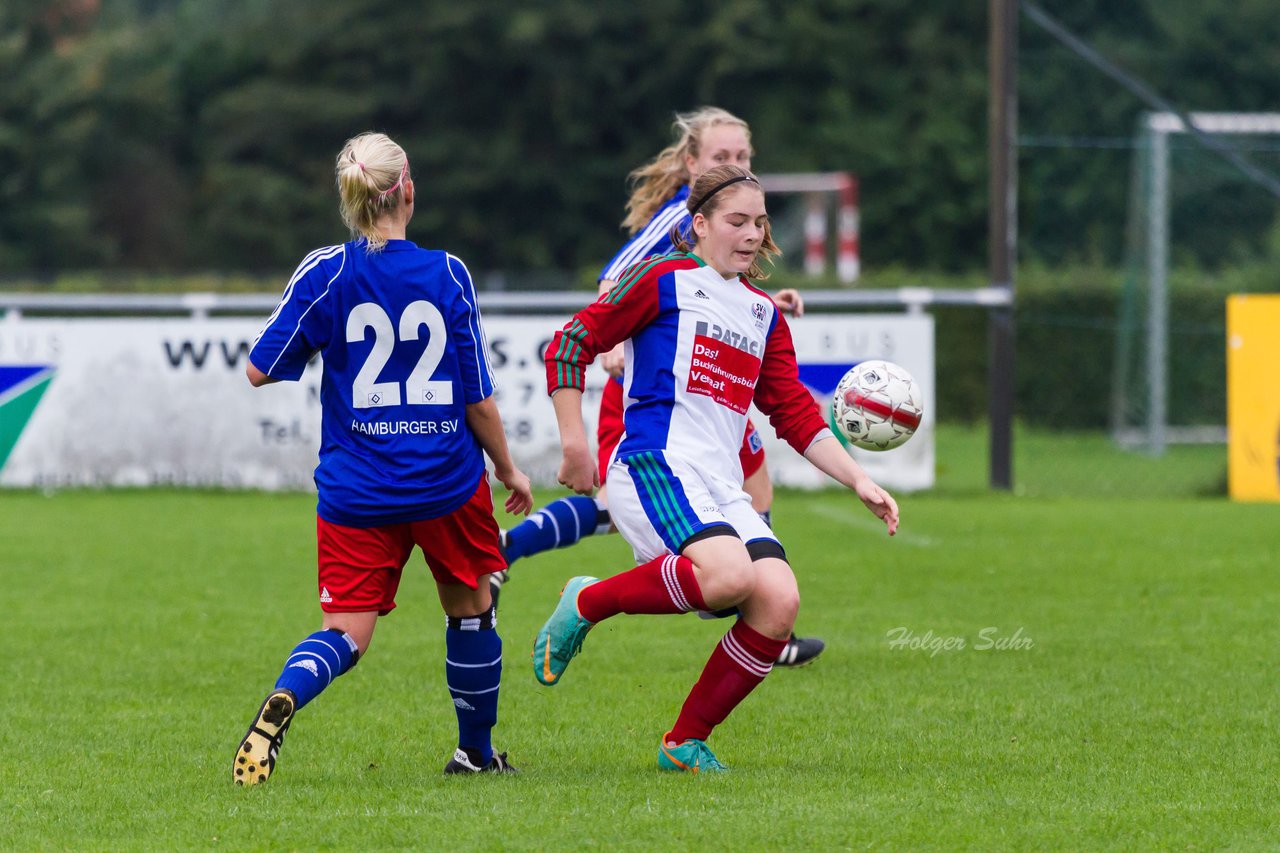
180 135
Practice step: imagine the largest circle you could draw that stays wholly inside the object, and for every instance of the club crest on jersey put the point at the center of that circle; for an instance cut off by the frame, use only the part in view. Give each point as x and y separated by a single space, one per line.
757 311
734 339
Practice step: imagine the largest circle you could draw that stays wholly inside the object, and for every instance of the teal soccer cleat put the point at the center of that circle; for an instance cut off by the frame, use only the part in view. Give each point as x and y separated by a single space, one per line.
561 638
692 756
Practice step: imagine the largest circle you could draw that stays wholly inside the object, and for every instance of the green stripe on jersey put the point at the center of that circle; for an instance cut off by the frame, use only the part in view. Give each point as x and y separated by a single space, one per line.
663 496
570 346
621 288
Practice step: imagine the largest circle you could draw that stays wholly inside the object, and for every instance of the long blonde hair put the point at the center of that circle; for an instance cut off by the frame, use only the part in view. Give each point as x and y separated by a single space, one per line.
372 172
662 177
712 188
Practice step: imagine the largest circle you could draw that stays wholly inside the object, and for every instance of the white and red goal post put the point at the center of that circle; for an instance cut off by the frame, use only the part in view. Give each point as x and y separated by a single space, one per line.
821 188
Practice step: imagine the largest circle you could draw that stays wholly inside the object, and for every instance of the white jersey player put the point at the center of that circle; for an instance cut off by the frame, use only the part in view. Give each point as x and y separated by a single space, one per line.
703 344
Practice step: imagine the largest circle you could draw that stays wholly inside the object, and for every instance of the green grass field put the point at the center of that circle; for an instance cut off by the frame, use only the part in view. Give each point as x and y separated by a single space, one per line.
143 628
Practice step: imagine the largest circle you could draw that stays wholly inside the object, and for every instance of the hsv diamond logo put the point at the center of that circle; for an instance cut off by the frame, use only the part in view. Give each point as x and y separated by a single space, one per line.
21 387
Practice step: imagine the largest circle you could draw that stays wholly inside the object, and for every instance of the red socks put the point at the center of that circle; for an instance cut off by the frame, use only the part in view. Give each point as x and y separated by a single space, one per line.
741 661
664 585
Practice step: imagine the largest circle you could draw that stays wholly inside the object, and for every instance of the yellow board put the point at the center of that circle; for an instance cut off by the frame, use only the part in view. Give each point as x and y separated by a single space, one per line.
1253 397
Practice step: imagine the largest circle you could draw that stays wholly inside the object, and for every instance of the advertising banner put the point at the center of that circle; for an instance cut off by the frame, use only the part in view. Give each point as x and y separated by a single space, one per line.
164 401
1253 397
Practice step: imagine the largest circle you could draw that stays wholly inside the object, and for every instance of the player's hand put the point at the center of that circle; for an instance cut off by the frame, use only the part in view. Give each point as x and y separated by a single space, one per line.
614 361
578 471
520 501
789 302
879 502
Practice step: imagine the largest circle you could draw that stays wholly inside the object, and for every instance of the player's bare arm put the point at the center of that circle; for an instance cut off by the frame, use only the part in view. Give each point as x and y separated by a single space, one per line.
830 458
577 466
485 422
256 377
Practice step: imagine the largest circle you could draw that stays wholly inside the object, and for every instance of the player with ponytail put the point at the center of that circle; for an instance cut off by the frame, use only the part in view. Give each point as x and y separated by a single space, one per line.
656 215
407 418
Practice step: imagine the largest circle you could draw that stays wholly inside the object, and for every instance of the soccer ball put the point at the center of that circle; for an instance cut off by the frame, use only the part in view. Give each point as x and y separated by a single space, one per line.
876 406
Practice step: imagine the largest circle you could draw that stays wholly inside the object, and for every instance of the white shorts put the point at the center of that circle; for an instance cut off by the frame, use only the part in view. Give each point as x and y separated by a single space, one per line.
658 505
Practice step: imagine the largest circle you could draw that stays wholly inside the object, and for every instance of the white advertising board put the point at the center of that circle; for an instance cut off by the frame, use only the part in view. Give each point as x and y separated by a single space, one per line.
138 402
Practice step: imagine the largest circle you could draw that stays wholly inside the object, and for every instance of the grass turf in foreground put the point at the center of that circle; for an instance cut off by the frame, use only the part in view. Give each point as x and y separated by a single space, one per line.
144 628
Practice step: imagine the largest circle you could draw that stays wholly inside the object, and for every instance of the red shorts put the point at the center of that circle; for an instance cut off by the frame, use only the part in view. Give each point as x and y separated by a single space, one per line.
360 567
609 431
609 427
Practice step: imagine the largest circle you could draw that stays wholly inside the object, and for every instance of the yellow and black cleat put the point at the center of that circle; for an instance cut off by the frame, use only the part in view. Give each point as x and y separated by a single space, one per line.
256 756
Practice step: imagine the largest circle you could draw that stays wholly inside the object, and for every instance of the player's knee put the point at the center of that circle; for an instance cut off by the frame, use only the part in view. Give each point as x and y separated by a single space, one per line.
724 583
776 588
787 605
740 583
361 634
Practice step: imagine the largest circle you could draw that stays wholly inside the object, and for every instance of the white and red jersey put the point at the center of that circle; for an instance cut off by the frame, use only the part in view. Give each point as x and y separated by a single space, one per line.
700 349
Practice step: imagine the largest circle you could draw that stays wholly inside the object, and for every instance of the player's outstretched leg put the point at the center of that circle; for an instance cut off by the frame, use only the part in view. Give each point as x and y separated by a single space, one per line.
256 756
665 584
310 668
559 524
561 637
691 756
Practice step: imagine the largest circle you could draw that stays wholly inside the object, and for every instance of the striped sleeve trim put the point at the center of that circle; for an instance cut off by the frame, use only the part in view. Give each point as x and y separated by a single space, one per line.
309 263
634 274
643 244
569 374
298 326
484 371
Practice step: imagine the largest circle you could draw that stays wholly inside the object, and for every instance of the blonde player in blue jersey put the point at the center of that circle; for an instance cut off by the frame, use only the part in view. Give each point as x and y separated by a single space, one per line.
407 416
705 138
702 344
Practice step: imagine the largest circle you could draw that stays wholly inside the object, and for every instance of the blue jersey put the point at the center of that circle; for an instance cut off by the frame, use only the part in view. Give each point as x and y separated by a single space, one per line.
404 353
653 239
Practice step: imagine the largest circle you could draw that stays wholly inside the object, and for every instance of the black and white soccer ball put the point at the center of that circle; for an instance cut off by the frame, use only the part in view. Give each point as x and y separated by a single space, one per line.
877 405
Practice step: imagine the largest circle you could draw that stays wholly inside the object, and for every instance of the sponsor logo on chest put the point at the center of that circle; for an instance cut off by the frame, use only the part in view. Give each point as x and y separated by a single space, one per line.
724 367
746 343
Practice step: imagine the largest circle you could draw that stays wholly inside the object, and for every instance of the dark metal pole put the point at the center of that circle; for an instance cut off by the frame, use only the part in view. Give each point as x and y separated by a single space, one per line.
1002 224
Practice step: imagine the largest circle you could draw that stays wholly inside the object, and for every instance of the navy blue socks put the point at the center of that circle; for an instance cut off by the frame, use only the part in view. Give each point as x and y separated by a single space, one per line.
473 667
558 524
316 662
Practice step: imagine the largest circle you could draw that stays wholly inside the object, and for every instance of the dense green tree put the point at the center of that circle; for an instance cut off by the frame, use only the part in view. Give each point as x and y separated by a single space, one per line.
199 134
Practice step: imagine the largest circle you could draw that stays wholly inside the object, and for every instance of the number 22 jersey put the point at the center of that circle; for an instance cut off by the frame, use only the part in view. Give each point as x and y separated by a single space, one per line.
404 353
